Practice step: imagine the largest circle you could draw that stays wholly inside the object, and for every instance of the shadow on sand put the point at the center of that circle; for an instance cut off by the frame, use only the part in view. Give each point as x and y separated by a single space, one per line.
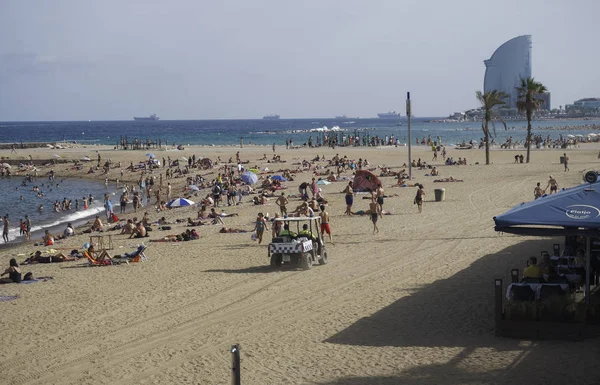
426 319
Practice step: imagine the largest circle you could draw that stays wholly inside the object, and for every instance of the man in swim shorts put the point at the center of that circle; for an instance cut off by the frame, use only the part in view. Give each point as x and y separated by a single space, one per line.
379 194
325 228
553 184
282 201
373 209
349 198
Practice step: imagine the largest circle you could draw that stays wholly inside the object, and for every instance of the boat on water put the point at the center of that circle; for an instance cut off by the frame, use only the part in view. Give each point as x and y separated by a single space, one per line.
271 117
152 117
388 115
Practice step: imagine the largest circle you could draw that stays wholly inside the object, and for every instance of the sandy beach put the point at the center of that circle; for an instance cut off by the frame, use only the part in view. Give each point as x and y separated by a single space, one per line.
412 304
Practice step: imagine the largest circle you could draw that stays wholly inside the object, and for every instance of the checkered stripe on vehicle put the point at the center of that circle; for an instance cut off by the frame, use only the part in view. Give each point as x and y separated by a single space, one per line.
285 249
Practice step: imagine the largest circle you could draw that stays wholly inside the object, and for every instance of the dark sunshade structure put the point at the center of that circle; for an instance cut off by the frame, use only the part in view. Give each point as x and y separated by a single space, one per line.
575 211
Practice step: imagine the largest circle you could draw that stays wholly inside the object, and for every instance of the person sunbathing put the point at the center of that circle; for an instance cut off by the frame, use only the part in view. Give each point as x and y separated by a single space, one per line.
102 257
231 230
139 231
38 258
48 239
128 227
449 179
191 222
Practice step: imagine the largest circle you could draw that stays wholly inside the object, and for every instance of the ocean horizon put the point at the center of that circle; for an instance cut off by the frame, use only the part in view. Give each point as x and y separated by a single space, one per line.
268 132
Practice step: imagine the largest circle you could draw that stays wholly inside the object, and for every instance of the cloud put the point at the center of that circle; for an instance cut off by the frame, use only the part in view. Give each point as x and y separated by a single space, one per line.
36 64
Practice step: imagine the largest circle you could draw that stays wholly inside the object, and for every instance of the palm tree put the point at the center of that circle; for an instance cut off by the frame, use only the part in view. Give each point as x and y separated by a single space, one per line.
530 101
489 101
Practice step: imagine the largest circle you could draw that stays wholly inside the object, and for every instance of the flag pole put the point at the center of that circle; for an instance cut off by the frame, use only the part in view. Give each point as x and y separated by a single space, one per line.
409 141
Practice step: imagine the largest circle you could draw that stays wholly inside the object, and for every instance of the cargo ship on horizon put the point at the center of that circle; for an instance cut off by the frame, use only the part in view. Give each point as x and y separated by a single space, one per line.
271 117
152 117
388 115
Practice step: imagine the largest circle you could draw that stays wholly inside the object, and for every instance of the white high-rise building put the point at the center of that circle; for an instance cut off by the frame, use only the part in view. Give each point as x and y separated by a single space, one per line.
509 63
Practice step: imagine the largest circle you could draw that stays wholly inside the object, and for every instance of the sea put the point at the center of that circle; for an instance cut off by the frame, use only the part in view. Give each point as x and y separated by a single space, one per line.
219 133
267 132
18 199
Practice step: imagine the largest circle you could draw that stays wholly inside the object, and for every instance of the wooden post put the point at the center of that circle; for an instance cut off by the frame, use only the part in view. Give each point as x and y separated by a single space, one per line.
235 365
498 292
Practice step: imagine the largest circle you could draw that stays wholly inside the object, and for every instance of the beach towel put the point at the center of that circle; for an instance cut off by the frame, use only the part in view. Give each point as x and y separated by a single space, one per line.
40 279
6 298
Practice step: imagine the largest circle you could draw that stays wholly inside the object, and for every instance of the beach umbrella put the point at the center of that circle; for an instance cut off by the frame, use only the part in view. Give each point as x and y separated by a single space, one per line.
180 202
5 165
279 178
249 177
56 156
193 187
570 136
254 170
323 182
150 155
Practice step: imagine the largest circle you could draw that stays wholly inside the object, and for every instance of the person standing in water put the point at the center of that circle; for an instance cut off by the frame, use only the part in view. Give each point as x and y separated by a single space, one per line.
5 229
27 227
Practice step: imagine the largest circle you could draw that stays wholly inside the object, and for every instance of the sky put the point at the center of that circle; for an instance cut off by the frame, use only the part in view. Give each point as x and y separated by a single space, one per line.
236 59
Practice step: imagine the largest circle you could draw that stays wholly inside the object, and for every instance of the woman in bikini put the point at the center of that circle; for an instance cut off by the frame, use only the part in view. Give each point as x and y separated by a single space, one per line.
260 227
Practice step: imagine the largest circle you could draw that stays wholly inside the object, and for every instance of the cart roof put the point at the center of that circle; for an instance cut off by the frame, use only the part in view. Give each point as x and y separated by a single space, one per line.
298 219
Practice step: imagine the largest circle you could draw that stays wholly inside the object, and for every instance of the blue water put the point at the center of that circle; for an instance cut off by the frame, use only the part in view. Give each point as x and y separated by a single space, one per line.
264 132
16 208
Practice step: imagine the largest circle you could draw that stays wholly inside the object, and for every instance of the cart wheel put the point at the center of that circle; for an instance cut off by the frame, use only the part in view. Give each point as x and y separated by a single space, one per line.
306 261
275 260
323 259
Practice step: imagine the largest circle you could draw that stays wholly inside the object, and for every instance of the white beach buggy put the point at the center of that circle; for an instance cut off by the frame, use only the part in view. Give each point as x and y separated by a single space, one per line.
300 250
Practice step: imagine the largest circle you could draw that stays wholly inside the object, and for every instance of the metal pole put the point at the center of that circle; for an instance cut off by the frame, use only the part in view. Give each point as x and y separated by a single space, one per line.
409 141
235 365
588 258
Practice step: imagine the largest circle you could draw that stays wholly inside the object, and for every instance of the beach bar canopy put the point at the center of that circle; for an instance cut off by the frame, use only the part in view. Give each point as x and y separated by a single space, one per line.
575 211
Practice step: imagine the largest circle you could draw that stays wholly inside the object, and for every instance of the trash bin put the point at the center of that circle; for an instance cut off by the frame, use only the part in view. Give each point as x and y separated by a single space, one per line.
440 194
562 160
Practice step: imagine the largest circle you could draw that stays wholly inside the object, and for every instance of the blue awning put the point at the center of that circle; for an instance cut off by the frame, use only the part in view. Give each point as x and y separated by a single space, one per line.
568 211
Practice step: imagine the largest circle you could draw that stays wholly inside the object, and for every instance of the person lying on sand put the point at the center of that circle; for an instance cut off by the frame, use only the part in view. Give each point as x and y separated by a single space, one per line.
38 258
368 212
449 179
231 230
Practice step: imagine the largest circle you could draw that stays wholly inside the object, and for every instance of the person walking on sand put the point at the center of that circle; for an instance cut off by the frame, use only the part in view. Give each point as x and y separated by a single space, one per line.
379 194
349 198
260 227
419 198
553 184
537 191
566 158
282 201
373 208
325 227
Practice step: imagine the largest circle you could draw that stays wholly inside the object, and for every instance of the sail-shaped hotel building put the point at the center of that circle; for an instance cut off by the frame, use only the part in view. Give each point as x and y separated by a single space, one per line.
509 63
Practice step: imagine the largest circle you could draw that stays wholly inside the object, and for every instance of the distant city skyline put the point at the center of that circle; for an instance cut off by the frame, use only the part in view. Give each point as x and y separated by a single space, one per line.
186 59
